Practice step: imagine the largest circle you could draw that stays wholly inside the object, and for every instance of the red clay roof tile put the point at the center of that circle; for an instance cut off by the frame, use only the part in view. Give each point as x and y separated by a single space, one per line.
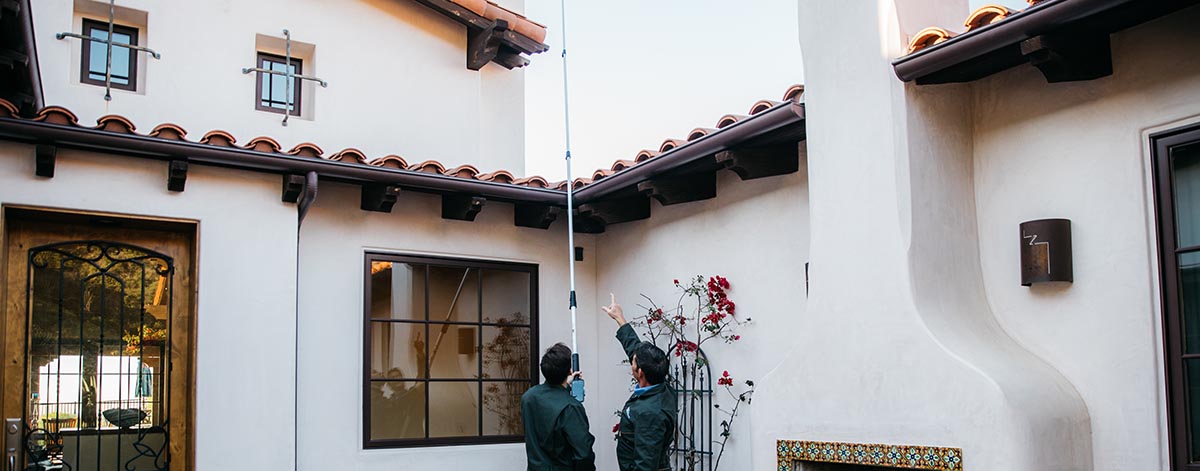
57 115
671 144
928 37
794 93
516 22
499 176
350 155
622 165
601 173
390 161
306 149
169 131
115 123
8 110
986 15
763 105
645 154
699 133
462 171
263 144
533 181
729 119
429 166
218 137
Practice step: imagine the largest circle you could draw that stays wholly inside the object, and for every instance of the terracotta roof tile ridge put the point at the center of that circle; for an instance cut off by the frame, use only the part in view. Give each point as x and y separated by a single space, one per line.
264 144
928 37
699 133
536 181
349 154
462 171
622 165
390 161
218 137
115 123
55 114
729 119
498 176
669 144
986 15
763 105
8 110
169 131
794 93
428 166
306 149
645 154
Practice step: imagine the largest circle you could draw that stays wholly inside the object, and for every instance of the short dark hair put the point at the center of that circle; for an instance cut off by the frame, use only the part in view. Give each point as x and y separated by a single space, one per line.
652 361
556 363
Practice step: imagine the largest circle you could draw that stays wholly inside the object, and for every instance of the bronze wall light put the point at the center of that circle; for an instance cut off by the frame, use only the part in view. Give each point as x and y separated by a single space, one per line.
1046 251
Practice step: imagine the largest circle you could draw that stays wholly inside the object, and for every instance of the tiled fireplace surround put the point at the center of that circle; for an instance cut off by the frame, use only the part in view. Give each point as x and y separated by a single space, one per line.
803 455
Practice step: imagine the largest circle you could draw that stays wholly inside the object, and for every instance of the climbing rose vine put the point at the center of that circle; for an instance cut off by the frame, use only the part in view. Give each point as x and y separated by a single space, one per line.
703 313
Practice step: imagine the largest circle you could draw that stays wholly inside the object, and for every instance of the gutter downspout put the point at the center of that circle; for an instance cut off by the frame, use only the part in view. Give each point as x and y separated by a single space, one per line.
306 200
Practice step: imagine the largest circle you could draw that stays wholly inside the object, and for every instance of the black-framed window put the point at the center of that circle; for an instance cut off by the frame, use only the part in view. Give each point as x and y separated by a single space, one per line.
1177 195
271 92
95 55
449 348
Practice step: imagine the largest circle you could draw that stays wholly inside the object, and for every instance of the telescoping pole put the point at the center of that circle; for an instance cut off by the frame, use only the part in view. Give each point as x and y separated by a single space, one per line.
577 387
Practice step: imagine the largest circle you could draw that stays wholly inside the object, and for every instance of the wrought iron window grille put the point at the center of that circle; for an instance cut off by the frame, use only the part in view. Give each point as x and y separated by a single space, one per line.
109 44
287 72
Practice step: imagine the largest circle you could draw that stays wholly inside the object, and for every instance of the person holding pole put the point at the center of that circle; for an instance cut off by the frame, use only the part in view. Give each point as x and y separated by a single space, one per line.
556 426
648 418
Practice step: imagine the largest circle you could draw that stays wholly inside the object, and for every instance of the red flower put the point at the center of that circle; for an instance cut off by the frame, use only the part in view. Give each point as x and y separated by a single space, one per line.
616 427
725 379
676 282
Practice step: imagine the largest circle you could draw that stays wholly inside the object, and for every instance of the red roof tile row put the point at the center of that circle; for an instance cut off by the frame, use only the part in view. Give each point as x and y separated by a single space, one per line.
982 16
169 131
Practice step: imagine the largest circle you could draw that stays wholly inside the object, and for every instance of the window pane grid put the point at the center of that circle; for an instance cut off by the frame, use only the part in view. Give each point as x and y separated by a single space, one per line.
455 339
95 55
272 88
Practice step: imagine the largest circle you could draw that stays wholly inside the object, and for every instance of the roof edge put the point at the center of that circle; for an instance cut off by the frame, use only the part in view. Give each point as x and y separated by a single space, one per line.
1037 19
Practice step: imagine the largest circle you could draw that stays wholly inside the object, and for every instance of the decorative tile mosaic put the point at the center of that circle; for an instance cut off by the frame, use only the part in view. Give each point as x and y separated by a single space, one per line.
871 454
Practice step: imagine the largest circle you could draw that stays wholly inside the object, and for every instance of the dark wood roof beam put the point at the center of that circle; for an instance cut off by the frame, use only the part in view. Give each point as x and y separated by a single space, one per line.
484 44
535 215
681 189
379 197
1070 56
177 175
45 158
758 162
461 207
293 186
617 210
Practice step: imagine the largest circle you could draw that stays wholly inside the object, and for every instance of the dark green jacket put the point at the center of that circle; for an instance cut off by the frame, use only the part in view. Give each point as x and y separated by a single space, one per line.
556 431
647 421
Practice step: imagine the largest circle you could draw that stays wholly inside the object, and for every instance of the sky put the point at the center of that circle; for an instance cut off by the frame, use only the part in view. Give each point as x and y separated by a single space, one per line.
643 71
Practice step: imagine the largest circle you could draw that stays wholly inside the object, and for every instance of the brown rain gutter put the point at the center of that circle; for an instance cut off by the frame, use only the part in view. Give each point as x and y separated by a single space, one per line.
778 116
1038 19
36 132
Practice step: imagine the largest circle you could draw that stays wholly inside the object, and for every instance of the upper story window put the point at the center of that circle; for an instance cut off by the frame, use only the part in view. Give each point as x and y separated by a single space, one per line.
96 56
272 92
449 349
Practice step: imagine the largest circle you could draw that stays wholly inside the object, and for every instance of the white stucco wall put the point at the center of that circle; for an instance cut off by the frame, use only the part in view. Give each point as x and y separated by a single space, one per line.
333 241
246 283
755 233
398 82
1076 151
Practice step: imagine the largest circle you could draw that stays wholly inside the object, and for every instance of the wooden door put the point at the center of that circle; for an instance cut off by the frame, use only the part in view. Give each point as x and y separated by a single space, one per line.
97 340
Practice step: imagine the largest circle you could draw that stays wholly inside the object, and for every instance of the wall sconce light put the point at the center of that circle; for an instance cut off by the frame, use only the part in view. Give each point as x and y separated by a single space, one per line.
1046 251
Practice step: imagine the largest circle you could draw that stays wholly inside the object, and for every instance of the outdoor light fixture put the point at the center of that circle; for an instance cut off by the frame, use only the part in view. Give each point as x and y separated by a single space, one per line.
1046 251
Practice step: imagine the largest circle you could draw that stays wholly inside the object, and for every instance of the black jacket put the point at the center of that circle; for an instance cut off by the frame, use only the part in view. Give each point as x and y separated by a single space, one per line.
647 421
556 431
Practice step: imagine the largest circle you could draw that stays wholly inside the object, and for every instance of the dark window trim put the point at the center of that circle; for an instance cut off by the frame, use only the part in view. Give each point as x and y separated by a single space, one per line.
262 58
1179 442
85 62
535 374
